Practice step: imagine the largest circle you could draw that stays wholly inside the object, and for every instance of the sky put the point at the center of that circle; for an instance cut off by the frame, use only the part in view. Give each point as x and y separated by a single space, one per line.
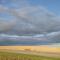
31 18
51 5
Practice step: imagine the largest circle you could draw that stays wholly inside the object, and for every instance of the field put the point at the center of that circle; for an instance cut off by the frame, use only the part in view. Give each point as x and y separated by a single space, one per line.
42 48
16 56
29 53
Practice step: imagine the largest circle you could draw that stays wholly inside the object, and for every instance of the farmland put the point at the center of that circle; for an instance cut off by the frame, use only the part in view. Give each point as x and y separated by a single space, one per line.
16 56
29 53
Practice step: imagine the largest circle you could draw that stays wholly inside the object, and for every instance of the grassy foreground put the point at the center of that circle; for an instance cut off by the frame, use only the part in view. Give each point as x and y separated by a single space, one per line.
16 56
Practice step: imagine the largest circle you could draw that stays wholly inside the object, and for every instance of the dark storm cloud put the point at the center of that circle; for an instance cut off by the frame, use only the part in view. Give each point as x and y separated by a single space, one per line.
30 20
37 20
54 37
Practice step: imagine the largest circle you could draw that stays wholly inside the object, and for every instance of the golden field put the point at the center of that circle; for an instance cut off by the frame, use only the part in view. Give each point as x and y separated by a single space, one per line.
32 48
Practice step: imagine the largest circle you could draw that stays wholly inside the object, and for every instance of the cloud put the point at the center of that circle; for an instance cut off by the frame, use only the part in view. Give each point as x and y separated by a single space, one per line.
30 20
6 37
6 25
37 19
54 37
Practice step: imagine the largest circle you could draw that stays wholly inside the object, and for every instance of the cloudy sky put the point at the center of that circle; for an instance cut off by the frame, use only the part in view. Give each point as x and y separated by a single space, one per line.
30 17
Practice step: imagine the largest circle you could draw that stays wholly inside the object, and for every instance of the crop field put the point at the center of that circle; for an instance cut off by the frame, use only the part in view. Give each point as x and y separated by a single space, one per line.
18 56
